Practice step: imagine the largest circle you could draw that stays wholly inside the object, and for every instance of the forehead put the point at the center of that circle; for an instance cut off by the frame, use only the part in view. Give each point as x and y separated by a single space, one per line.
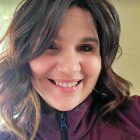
77 21
79 15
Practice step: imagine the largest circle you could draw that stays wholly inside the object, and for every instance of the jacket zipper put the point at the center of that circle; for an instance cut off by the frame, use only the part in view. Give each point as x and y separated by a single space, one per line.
63 125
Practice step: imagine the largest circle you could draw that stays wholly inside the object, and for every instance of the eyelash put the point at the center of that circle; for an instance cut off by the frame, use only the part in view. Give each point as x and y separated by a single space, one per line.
52 47
85 48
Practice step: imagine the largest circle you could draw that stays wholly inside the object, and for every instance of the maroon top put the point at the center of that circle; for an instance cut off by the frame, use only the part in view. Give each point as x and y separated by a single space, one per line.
83 125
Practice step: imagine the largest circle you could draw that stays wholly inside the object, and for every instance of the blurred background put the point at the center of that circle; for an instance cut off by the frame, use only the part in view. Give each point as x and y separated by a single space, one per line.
128 65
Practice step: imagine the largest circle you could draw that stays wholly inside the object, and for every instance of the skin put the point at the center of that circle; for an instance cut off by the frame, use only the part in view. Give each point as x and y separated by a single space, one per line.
67 60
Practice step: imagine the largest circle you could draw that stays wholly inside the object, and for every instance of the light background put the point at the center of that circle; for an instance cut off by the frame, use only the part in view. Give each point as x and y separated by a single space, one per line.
128 66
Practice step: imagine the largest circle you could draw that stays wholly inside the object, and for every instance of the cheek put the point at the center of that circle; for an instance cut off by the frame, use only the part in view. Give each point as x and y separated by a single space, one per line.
39 67
36 68
93 66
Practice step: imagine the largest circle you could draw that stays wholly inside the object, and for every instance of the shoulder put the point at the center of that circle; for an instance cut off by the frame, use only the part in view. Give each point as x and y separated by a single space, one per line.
129 128
135 102
131 116
132 111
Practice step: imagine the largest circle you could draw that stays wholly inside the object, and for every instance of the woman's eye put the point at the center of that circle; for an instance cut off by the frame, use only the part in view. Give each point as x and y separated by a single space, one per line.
52 47
85 48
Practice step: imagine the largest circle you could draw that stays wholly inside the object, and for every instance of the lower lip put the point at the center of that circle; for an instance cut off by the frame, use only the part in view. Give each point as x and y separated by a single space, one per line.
66 89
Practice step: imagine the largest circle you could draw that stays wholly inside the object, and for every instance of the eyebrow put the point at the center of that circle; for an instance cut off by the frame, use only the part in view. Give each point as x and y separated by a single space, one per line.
86 39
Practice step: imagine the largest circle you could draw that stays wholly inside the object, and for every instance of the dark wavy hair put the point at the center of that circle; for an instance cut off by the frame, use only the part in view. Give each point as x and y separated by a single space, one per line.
32 30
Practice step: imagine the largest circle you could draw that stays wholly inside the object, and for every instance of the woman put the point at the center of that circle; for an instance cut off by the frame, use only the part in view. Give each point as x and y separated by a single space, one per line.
56 77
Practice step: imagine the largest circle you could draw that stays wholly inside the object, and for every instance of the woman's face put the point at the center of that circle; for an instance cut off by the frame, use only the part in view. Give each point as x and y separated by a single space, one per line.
66 74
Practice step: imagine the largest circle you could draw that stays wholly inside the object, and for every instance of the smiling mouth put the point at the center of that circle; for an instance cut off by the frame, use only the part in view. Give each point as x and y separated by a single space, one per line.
63 84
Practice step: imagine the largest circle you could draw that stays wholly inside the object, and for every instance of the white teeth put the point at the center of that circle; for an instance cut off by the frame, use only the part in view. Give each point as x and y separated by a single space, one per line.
73 83
56 83
60 84
65 84
69 84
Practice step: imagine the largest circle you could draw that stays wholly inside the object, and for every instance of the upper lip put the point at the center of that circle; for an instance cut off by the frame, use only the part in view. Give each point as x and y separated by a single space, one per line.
66 80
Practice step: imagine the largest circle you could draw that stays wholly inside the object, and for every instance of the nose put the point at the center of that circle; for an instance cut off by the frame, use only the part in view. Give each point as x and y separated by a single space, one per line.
69 63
